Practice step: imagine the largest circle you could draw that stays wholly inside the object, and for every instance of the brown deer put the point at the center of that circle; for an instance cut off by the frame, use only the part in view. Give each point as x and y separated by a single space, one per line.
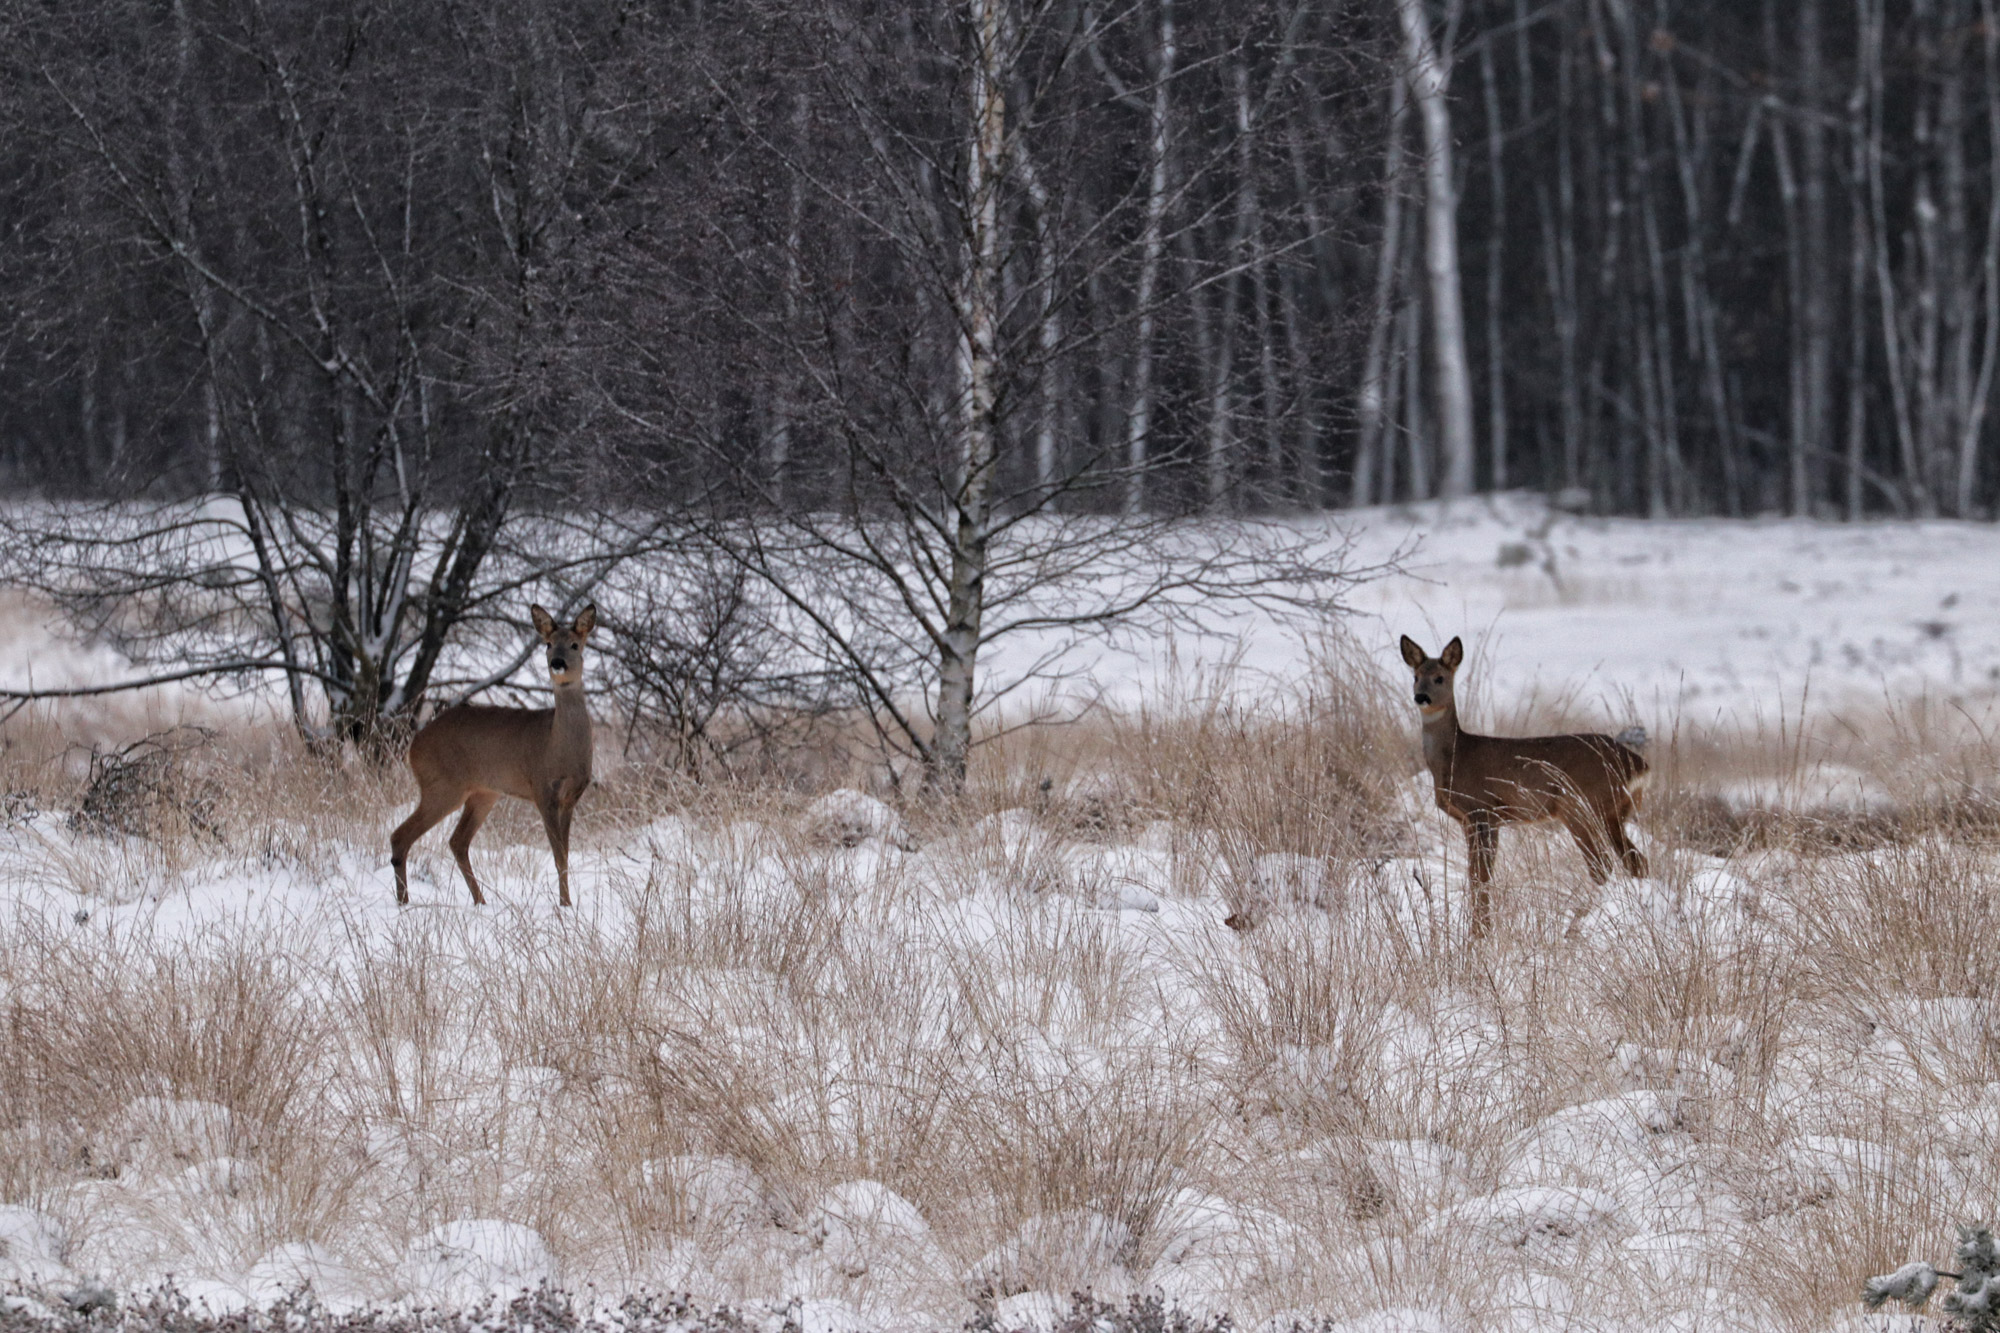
1590 784
474 754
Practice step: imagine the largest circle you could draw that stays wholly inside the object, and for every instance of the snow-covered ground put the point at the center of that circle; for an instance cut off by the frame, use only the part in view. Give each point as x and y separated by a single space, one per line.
1708 624
1713 623
863 1083
812 1062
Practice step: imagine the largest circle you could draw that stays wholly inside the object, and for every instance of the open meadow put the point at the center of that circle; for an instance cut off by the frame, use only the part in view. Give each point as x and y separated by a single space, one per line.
824 1052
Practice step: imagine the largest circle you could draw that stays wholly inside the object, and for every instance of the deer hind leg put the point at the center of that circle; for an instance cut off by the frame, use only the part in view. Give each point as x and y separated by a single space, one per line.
477 807
1482 841
432 807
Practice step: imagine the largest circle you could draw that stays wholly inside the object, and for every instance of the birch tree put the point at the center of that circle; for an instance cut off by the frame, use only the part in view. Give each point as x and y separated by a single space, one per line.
1429 77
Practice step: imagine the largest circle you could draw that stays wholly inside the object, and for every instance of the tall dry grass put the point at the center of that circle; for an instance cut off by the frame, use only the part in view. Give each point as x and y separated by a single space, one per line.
963 1025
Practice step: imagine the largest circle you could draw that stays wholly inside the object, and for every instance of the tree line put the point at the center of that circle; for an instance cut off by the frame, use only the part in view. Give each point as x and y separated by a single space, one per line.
1674 256
917 326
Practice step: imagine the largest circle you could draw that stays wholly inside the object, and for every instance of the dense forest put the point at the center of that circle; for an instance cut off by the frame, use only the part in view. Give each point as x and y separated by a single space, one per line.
1659 257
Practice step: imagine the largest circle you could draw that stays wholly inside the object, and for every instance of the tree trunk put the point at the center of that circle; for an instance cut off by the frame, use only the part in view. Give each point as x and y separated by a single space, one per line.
1816 311
1913 492
1857 283
1989 279
778 443
1139 421
1496 360
1221 360
1048 328
1428 77
1703 338
1559 259
978 350
1372 406
1311 482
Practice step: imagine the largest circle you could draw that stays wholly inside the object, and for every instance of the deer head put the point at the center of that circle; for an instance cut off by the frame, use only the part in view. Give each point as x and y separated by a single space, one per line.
565 646
1433 675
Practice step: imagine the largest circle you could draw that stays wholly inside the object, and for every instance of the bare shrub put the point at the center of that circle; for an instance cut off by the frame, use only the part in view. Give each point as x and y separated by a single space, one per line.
706 685
150 785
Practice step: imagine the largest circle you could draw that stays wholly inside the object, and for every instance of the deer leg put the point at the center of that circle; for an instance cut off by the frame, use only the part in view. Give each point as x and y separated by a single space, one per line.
1587 829
1614 831
432 807
1482 841
556 809
477 807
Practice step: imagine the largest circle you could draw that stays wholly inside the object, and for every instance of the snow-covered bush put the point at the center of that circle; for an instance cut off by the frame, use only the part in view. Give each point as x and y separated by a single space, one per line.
1972 1304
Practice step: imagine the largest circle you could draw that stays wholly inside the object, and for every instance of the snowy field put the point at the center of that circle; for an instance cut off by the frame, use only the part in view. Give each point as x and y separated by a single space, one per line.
1702 625
1707 625
807 1059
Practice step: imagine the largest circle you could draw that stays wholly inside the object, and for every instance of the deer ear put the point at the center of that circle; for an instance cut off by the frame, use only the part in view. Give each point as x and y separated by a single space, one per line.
1453 654
1411 653
587 621
545 624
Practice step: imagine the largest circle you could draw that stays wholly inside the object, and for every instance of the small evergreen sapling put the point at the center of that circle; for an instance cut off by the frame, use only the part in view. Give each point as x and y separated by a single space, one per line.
1973 1305
1975 1302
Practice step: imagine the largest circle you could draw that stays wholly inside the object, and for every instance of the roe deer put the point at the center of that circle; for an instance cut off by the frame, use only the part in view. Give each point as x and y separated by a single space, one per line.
1590 784
474 754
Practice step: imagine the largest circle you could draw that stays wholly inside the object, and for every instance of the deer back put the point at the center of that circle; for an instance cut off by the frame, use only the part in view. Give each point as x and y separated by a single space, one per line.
1534 777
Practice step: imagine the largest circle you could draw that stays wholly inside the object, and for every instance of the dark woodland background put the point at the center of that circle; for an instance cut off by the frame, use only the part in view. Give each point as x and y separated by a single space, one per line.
1715 256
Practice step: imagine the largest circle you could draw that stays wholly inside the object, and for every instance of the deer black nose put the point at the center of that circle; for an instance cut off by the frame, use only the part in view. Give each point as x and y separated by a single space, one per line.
558 664
1424 700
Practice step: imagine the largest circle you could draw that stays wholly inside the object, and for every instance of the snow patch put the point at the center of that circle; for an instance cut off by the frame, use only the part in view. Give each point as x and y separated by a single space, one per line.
464 1263
1071 1251
1525 1214
714 1194
856 1223
32 1248
302 1266
849 818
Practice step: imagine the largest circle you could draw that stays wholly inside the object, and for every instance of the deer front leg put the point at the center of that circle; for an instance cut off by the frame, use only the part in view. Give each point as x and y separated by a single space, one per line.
556 807
1482 841
1634 859
1588 830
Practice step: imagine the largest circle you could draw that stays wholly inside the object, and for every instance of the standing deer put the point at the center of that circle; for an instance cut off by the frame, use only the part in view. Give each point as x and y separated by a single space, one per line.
474 754
1591 784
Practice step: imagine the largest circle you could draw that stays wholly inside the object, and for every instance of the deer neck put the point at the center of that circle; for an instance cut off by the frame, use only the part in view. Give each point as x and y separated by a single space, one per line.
1441 735
572 726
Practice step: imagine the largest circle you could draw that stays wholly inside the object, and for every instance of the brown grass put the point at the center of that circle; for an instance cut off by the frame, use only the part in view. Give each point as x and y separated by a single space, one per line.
825 1016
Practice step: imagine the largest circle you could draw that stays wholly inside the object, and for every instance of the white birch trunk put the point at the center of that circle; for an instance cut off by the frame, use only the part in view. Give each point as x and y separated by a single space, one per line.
978 345
1048 325
1428 77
